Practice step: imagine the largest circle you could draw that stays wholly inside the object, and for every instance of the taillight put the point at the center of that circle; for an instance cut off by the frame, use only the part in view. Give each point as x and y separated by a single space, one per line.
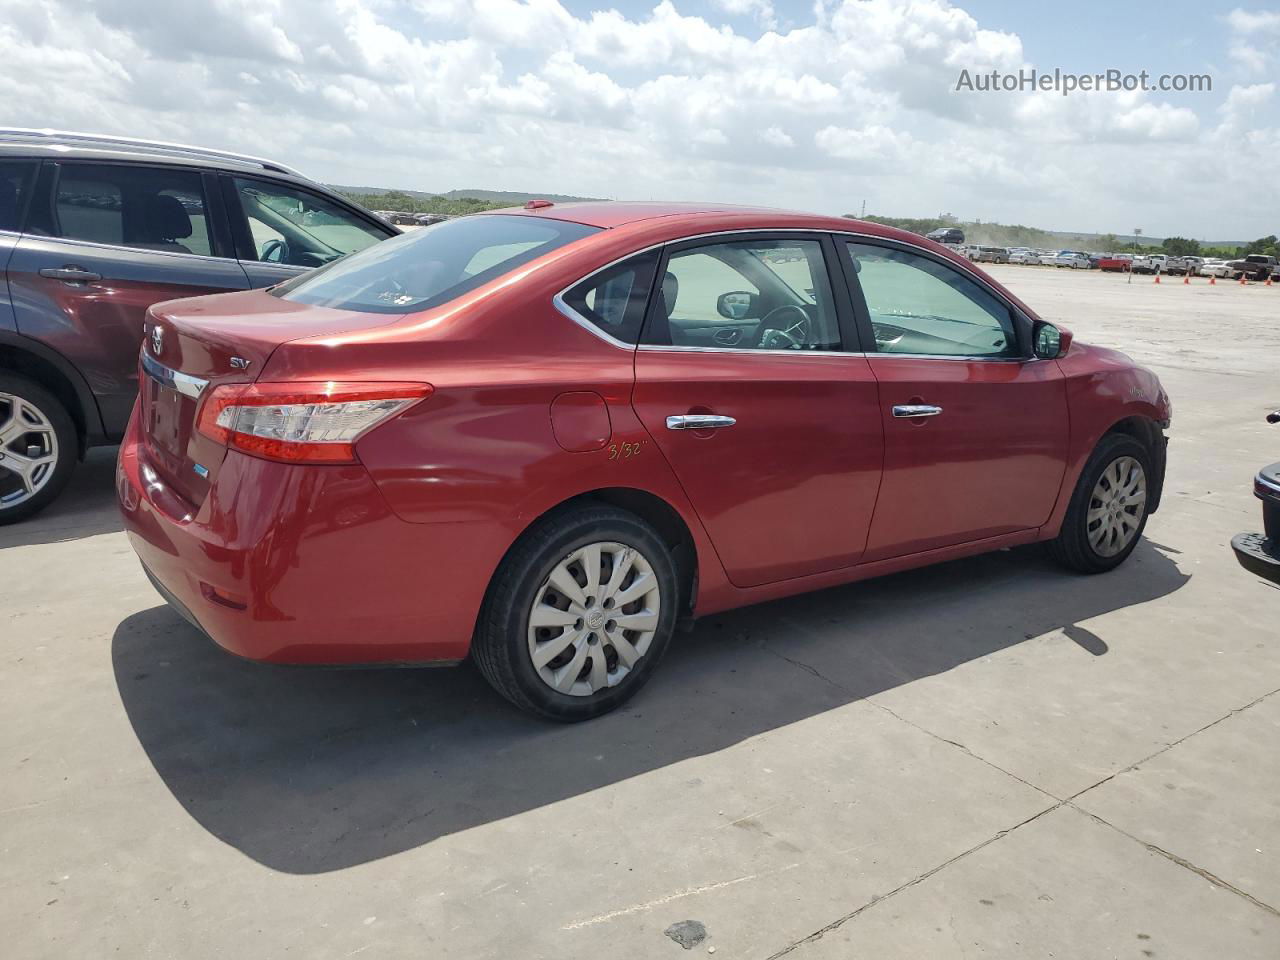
302 422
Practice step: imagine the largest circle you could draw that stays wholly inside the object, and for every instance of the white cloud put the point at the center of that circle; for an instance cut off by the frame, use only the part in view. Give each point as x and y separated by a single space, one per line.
1256 44
760 10
525 94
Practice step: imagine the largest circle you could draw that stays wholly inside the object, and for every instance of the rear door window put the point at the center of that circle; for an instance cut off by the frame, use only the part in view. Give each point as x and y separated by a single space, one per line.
15 185
151 208
431 266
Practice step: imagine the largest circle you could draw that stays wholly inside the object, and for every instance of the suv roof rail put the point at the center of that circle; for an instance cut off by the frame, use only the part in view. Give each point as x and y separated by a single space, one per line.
49 136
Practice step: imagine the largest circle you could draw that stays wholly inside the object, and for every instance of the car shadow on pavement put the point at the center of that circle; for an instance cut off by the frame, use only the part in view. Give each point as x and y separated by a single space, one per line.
309 770
86 507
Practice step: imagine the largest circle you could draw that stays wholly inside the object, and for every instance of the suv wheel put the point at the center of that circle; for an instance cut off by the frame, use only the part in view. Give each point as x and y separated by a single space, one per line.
578 615
1108 510
38 448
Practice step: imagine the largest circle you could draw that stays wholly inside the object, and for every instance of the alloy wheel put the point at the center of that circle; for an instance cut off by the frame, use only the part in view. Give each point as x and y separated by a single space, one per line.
1116 506
593 618
28 450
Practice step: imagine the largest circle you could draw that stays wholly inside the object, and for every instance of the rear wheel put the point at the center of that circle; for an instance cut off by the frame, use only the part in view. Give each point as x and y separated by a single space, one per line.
38 448
1108 510
578 615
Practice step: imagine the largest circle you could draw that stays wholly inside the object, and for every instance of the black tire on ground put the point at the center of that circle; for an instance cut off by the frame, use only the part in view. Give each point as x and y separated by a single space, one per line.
68 451
1072 548
500 647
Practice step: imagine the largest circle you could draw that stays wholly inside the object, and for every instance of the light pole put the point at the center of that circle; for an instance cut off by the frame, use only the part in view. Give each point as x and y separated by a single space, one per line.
1137 232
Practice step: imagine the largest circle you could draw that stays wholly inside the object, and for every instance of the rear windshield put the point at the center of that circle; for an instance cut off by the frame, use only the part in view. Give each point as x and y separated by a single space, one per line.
432 265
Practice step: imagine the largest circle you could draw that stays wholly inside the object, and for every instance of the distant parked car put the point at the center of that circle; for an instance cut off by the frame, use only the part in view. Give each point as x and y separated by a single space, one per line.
1023 255
1151 263
1116 263
1215 268
1255 266
991 255
1073 259
948 236
93 231
1178 266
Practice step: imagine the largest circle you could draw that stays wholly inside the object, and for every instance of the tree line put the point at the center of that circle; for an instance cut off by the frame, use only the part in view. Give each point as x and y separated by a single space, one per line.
1017 235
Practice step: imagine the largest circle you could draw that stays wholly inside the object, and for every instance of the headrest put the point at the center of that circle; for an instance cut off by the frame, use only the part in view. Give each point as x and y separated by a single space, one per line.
670 291
165 218
8 204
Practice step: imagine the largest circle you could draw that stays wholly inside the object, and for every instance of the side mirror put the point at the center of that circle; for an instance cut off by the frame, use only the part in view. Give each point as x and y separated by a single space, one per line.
738 305
1051 342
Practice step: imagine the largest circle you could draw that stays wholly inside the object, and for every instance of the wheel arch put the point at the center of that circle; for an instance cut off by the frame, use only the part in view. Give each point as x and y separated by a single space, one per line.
654 510
47 367
1146 431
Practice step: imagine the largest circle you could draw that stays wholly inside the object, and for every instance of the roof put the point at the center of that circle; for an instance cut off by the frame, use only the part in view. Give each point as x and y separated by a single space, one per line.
617 213
100 146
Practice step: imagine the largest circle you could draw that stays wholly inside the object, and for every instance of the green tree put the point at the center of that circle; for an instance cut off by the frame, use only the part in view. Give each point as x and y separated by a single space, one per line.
1181 247
1265 245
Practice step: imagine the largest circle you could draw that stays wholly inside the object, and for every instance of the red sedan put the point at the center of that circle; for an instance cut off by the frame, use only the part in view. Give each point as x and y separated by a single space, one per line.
540 438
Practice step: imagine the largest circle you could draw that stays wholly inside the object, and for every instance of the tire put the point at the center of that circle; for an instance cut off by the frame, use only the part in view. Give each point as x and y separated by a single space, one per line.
503 646
1074 547
24 403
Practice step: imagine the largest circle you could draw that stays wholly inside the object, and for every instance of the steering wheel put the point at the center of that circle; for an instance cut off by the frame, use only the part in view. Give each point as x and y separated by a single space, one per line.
775 334
274 251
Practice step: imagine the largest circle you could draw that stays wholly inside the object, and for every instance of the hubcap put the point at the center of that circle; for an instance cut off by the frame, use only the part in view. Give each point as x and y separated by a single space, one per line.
28 450
593 618
1116 507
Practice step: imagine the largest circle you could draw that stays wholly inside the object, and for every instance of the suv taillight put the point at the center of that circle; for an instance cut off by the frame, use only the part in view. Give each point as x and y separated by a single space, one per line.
302 422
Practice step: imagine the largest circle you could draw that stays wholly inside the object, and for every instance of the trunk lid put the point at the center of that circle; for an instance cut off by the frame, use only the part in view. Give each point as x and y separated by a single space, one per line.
190 347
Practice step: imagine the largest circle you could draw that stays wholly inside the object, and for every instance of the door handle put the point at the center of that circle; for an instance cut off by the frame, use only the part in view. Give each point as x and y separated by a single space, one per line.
908 410
699 421
70 274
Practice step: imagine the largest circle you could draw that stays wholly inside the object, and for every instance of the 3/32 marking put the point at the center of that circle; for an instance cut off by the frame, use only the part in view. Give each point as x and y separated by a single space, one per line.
625 450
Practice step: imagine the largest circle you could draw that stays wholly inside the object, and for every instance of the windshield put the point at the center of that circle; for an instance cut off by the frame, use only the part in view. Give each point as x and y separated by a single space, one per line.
431 266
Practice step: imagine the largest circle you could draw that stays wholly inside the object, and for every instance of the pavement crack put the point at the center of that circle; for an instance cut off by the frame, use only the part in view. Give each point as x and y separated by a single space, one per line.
1182 862
963 748
871 700
811 670
1173 743
881 898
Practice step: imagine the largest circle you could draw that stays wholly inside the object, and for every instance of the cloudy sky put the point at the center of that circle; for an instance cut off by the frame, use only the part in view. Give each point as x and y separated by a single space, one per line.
817 106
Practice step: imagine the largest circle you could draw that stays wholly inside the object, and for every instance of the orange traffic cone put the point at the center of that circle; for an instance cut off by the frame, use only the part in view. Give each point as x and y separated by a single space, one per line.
1186 279
1268 283
1157 278
1213 280
1244 278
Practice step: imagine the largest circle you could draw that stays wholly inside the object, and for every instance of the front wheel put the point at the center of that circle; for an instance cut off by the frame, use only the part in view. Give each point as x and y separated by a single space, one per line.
1108 510
579 614
38 448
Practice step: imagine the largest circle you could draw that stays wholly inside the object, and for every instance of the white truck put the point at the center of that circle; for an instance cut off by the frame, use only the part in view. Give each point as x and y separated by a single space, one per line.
1151 263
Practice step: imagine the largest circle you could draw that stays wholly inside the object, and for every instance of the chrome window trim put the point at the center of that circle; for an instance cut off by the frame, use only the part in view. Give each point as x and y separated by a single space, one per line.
650 347
661 348
184 383
563 307
121 247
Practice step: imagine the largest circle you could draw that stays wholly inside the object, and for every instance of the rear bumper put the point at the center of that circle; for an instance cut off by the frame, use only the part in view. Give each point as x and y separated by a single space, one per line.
1258 555
307 564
